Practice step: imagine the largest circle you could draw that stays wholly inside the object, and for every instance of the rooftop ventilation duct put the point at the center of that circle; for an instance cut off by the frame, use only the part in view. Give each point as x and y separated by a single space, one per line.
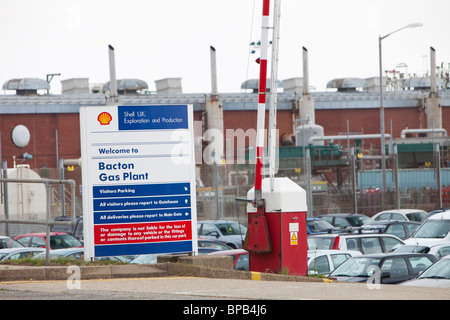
26 86
168 85
127 86
293 85
347 84
75 86
421 83
253 84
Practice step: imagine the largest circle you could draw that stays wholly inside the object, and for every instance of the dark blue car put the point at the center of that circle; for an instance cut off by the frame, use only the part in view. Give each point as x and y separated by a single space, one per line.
319 226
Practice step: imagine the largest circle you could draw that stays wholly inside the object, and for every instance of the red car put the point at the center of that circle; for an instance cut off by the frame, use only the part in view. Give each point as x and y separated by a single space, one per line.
58 240
240 257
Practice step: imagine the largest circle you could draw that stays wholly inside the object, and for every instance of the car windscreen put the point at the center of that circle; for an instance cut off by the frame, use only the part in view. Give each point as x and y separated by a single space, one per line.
433 228
416 216
413 249
439 270
231 229
358 221
319 225
356 267
9 243
64 241
320 243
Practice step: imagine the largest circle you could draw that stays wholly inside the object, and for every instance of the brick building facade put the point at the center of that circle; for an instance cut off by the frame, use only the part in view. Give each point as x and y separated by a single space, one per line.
53 121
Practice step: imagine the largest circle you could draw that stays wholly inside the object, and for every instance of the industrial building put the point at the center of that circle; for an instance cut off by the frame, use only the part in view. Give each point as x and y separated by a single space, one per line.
54 125
345 116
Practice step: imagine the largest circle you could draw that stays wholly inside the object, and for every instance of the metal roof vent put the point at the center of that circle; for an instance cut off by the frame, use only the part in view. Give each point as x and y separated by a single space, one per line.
26 86
253 84
75 86
127 86
421 83
168 86
347 84
293 85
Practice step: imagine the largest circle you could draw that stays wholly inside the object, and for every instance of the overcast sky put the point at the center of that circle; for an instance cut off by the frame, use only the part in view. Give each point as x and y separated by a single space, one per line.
157 39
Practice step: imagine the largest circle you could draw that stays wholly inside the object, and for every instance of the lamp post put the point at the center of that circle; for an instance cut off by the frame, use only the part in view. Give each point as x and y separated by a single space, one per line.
383 151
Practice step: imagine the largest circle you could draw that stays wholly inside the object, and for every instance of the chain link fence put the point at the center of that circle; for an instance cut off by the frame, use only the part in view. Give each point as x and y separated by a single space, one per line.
333 190
31 198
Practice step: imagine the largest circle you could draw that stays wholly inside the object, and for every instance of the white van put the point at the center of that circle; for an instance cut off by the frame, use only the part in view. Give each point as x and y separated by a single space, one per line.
433 231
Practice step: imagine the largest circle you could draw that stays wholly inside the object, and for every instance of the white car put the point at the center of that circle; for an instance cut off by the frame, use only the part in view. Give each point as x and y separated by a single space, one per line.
19 253
436 276
401 215
366 243
439 250
7 242
436 229
323 262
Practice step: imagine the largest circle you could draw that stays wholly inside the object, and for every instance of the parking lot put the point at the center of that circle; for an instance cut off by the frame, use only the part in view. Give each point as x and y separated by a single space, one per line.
187 288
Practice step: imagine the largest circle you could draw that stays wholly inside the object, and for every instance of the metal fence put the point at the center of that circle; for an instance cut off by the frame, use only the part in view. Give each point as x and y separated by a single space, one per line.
33 195
31 206
221 184
218 186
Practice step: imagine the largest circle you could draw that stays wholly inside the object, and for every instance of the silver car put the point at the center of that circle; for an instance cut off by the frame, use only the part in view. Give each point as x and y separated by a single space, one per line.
437 276
19 253
228 232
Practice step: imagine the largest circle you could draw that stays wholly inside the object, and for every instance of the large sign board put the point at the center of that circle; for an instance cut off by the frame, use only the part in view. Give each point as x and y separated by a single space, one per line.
138 172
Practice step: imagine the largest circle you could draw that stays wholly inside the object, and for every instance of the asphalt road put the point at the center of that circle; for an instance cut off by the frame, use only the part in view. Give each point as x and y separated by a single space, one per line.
190 288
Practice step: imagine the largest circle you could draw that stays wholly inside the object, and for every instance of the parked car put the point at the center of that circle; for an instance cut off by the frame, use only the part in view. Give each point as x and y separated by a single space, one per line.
205 246
432 213
437 275
436 229
401 229
345 220
439 250
229 232
58 240
146 258
393 267
7 242
75 254
19 253
365 243
318 225
75 231
70 253
401 215
212 244
240 258
325 261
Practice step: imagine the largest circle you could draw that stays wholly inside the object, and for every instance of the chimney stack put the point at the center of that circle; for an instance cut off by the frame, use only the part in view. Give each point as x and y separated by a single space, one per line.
433 102
214 118
306 103
113 95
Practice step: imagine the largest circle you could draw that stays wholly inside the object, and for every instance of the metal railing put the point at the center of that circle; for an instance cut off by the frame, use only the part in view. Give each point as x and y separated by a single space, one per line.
47 222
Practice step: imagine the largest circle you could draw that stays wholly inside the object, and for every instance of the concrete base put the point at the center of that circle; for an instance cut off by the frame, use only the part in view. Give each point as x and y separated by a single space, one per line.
22 273
219 267
216 262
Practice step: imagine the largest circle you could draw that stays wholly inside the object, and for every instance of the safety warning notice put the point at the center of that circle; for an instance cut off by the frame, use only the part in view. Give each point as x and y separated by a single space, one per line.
294 238
138 180
293 231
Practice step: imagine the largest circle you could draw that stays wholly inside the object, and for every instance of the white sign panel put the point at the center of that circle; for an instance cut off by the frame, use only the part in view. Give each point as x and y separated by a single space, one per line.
138 180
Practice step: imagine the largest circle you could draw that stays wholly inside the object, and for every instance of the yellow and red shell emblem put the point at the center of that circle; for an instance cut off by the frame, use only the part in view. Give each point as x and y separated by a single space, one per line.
104 118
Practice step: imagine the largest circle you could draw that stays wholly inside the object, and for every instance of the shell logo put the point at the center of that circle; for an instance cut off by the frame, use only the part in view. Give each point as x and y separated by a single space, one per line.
104 118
